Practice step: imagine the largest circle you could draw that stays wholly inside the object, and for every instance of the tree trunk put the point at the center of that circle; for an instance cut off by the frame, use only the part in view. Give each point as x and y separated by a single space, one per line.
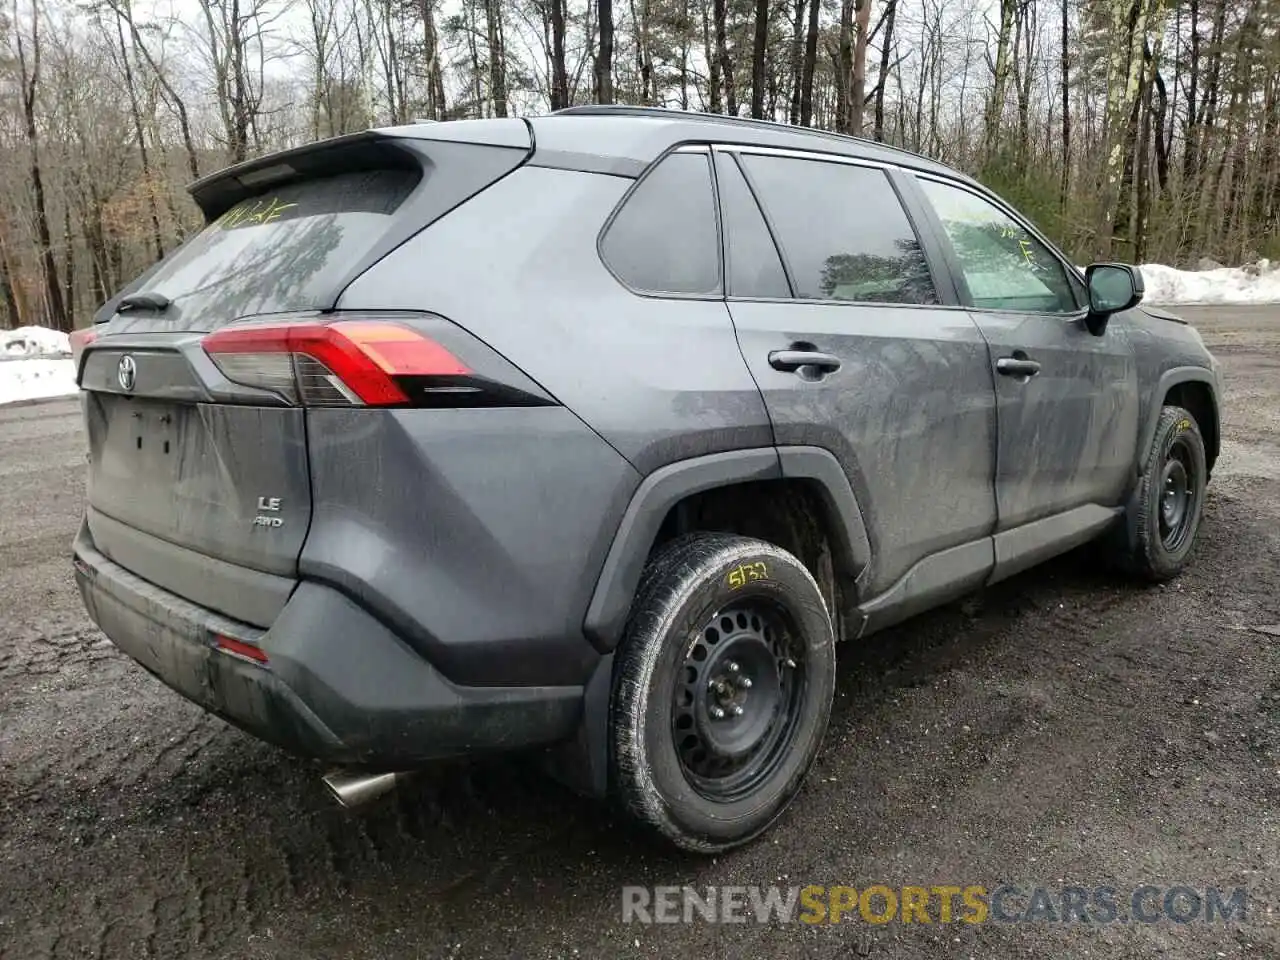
12 308
1262 213
473 49
1026 30
124 10
68 266
810 65
713 69
797 60
686 42
1001 69
148 182
497 57
722 54
559 74
1142 211
604 62
1130 23
644 56
437 105
1190 164
842 61
1066 106
758 59
886 51
858 91
1159 111
55 311
1243 87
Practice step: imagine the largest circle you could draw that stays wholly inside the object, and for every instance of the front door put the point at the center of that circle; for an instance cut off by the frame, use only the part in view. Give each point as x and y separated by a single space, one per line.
853 352
1067 399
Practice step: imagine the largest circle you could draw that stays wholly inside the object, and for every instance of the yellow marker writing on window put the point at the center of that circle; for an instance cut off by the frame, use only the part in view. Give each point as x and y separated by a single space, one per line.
259 212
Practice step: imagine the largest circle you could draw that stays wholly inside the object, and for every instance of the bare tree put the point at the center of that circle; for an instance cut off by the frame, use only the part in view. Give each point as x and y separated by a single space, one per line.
758 79
604 59
29 67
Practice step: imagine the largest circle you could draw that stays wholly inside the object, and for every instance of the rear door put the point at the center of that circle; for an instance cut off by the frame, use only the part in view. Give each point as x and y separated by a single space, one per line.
198 482
854 352
1068 400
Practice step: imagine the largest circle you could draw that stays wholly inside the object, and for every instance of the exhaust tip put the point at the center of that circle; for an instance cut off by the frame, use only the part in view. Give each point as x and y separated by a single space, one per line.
353 789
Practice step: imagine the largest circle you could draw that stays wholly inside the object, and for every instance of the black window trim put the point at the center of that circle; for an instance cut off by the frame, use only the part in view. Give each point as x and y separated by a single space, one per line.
714 296
937 270
733 157
953 262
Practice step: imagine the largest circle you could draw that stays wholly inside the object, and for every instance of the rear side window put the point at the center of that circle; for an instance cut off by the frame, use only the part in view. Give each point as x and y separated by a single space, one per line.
751 259
664 239
843 231
279 251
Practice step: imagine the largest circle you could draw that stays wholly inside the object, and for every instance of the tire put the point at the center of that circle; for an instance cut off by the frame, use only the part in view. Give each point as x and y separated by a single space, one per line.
1162 539
712 610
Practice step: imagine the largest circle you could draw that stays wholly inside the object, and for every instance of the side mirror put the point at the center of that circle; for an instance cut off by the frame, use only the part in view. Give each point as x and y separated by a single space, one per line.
1113 287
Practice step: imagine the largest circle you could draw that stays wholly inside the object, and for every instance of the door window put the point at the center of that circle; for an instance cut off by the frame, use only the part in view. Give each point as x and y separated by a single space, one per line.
1004 266
842 231
752 259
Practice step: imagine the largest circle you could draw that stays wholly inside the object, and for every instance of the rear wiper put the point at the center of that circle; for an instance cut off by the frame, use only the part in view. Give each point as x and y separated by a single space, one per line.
143 301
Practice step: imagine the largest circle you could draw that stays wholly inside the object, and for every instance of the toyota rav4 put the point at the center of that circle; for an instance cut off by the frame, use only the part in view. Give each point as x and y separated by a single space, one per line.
592 434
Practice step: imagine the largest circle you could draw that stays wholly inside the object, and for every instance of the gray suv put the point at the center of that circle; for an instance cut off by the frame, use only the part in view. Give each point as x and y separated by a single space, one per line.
591 434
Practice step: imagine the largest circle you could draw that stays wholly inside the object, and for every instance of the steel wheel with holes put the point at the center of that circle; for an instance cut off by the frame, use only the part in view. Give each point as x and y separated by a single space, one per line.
722 689
1167 508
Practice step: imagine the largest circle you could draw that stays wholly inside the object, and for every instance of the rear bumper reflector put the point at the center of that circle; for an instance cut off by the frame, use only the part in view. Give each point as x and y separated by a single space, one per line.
240 649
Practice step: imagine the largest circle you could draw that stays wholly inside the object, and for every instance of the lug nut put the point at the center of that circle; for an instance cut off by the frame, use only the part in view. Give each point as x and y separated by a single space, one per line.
733 667
717 713
744 683
737 710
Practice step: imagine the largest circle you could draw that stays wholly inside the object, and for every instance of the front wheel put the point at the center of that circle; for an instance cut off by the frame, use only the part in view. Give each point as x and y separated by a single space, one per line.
722 690
1169 503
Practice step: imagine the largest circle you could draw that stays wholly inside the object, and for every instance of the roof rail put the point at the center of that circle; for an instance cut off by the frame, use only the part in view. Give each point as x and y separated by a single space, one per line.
626 110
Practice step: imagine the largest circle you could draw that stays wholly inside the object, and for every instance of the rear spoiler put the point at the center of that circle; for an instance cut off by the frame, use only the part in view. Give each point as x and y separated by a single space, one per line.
378 148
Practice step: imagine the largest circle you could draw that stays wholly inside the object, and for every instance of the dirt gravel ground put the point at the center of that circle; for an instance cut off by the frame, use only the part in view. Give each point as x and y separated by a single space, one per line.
1061 728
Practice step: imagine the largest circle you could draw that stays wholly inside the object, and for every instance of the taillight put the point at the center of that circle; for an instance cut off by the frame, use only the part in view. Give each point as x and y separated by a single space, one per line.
335 363
81 339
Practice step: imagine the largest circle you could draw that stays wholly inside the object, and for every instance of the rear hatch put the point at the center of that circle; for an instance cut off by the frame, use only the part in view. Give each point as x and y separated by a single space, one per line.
198 474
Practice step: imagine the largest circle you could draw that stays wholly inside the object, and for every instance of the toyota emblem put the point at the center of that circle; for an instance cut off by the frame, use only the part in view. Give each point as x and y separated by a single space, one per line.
127 373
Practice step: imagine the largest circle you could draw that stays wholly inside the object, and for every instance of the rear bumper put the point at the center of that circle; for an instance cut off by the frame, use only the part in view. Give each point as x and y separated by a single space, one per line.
338 685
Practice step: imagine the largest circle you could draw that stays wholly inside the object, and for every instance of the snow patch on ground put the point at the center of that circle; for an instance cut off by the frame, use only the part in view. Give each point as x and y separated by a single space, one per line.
34 342
35 364
1255 283
36 379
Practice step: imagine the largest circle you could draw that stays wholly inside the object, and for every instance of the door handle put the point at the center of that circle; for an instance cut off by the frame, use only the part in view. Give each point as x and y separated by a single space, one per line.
1017 367
789 361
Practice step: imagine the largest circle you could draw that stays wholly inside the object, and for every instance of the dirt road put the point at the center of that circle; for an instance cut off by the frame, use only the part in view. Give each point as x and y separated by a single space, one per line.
1062 728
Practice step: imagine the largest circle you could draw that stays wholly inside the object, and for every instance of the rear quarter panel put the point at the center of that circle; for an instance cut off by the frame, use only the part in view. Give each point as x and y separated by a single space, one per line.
476 535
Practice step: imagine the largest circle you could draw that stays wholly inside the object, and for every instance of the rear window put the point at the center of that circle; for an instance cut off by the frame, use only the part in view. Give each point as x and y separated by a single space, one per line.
280 250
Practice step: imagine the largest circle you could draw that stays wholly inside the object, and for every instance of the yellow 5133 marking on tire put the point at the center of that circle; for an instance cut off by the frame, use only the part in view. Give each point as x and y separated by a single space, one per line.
739 576
1184 425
